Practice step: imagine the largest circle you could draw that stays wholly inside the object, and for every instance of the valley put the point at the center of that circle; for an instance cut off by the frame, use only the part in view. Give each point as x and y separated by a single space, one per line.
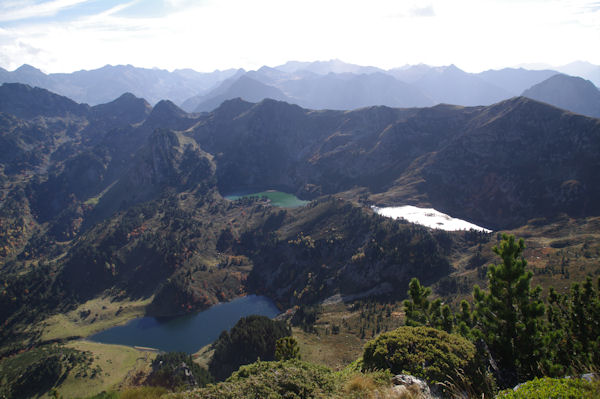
122 211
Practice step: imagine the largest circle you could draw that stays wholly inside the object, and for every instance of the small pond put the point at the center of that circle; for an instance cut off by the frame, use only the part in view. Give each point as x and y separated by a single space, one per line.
278 198
186 333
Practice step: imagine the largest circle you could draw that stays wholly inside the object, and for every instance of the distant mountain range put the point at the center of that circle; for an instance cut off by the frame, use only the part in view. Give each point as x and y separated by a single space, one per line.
109 82
315 85
412 86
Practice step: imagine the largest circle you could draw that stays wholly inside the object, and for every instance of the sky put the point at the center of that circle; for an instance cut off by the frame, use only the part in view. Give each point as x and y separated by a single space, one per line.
475 35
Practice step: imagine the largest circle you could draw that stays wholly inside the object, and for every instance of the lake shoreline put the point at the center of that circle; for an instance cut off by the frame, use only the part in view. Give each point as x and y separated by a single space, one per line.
187 333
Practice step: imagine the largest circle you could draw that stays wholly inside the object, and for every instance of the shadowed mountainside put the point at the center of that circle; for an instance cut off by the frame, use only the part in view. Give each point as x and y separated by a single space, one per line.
568 92
445 156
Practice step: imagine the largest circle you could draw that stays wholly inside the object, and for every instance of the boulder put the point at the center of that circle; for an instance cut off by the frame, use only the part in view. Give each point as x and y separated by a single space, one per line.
408 386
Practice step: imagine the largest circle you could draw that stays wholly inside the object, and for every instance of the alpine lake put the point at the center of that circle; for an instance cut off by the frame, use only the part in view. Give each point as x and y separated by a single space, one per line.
186 333
191 332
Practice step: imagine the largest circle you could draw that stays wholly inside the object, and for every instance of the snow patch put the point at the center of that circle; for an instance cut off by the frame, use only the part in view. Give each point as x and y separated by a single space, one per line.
427 217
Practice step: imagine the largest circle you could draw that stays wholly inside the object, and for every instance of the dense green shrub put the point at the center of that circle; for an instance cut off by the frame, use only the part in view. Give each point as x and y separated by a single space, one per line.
252 338
291 379
551 388
421 351
171 370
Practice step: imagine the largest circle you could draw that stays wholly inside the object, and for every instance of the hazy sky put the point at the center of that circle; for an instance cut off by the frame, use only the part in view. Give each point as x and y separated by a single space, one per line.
68 35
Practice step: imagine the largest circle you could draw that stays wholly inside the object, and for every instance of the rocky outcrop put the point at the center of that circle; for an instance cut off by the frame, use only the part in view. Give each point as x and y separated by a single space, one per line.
408 386
124 110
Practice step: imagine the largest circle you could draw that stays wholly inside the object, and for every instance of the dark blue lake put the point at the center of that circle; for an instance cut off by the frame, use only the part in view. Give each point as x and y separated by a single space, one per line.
186 333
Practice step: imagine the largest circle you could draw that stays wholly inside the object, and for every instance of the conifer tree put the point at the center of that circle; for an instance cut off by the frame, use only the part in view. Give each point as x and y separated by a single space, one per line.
574 329
420 311
508 316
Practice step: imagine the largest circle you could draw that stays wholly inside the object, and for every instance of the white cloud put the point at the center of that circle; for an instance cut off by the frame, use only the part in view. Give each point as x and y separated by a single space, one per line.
473 34
23 10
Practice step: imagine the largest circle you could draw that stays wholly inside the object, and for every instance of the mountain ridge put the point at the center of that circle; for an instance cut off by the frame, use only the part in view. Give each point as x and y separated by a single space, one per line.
187 87
104 84
568 92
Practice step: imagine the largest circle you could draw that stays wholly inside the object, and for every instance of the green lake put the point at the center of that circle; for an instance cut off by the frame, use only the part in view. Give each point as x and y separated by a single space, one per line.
278 198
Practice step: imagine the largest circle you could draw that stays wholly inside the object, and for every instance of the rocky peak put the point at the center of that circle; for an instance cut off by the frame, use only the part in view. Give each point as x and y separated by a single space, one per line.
126 109
28 69
232 108
167 115
166 109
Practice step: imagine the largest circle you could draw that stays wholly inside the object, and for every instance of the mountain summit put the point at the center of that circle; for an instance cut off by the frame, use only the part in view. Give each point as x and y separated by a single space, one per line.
568 92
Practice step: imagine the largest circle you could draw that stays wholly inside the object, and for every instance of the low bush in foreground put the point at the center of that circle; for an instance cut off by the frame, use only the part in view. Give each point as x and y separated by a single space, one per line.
553 388
423 352
291 379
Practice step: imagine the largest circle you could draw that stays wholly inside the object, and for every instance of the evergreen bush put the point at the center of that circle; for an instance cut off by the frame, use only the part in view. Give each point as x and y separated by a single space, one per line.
424 352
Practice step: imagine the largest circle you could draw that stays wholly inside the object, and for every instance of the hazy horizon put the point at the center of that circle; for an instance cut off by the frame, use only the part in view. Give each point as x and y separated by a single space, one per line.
71 35
529 66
